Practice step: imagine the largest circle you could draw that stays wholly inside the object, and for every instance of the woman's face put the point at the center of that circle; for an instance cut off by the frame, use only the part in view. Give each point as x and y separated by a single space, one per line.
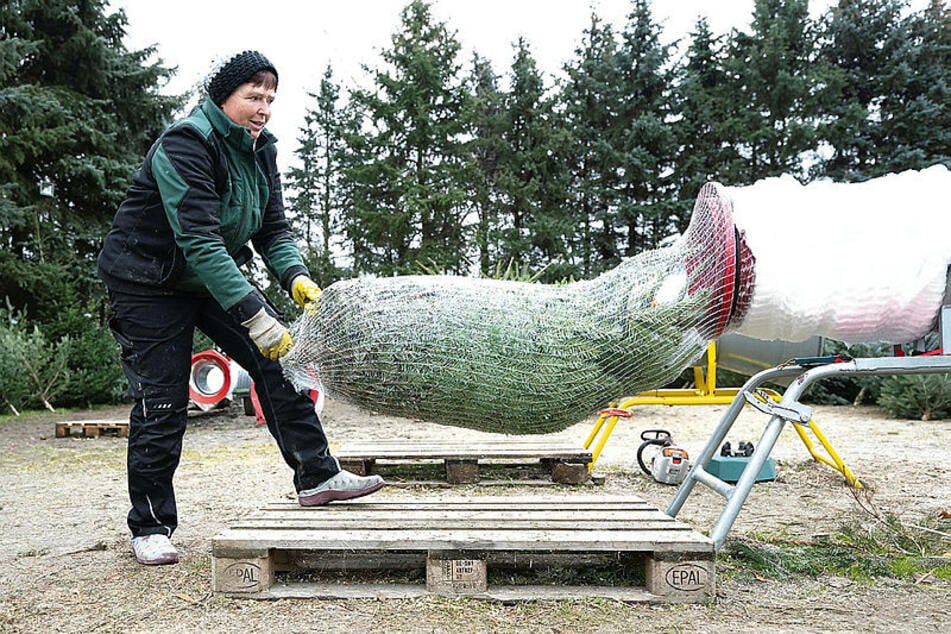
249 106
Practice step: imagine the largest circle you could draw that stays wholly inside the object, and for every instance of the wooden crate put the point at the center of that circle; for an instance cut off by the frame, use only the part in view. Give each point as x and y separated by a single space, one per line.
501 548
93 428
468 463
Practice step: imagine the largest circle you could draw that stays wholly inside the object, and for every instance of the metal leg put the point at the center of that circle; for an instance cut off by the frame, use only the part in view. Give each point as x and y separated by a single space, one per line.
611 415
767 442
698 470
747 479
832 458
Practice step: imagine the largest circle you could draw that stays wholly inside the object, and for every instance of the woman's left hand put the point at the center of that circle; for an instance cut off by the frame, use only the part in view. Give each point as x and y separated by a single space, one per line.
305 292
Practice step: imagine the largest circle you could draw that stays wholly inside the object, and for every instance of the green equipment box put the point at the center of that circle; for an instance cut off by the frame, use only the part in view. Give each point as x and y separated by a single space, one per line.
730 468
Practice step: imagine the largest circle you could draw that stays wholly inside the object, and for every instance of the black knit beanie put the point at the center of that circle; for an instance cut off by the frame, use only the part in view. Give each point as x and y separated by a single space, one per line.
234 71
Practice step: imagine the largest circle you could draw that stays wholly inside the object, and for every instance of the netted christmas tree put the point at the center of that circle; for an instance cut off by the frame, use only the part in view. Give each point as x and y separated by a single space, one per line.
518 357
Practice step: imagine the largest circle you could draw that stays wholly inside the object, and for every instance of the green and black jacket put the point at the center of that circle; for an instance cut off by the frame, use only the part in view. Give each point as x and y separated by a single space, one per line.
204 191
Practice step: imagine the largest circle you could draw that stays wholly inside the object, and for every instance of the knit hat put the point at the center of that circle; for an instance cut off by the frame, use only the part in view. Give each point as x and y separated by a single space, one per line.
233 71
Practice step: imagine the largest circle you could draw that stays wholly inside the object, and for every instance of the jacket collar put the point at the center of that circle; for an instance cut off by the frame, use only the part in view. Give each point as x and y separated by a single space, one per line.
233 134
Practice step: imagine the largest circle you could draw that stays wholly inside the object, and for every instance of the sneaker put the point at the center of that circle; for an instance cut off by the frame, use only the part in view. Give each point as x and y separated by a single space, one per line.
343 486
154 550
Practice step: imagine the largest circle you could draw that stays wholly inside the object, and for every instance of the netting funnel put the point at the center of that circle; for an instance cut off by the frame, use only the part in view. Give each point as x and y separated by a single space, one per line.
718 261
516 357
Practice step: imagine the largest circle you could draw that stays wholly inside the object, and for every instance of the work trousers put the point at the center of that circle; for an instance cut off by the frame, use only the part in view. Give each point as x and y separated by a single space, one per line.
155 334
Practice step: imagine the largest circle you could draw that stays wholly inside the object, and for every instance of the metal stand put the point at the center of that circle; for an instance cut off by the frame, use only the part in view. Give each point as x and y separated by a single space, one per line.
787 409
706 392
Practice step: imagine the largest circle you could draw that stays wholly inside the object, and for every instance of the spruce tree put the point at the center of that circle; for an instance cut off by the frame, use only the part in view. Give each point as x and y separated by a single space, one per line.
771 83
316 200
886 88
916 104
408 193
859 41
532 177
484 122
643 136
704 143
592 103
79 111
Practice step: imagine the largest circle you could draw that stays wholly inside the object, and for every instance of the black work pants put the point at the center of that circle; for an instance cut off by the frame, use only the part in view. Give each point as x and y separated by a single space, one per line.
155 334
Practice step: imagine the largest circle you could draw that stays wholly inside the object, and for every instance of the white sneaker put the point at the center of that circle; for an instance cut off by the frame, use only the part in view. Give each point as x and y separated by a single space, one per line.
154 550
343 486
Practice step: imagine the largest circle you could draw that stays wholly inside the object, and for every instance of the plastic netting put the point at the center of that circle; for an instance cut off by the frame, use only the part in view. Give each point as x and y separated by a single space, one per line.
855 262
523 358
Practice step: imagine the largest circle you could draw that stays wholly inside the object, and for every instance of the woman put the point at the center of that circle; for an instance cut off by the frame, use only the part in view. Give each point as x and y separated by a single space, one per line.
208 186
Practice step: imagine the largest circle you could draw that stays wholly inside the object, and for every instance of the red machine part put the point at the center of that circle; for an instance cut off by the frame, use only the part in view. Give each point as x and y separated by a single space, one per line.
207 394
199 390
711 255
259 413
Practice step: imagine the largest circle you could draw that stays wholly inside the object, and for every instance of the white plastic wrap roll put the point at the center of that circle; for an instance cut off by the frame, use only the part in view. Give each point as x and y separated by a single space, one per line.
858 262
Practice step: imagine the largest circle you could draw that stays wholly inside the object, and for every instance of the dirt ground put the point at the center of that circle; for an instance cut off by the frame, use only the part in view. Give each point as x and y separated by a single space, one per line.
65 563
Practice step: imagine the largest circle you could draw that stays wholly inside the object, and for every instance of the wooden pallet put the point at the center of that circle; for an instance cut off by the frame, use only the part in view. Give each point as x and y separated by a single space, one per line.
501 548
93 428
510 459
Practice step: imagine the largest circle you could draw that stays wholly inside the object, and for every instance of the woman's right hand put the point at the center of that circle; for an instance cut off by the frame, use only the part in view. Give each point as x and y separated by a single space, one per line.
270 335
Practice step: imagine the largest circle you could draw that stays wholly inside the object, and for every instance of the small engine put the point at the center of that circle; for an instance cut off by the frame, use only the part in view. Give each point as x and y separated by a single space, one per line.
670 464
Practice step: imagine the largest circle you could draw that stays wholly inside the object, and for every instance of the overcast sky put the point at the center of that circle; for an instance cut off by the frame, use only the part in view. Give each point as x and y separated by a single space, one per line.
301 37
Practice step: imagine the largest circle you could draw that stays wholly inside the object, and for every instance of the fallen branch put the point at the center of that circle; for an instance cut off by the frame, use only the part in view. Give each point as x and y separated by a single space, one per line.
863 498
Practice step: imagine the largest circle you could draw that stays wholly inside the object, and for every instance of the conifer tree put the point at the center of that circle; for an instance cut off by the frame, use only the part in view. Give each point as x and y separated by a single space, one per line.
644 137
532 172
886 88
591 100
916 108
79 111
704 145
771 86
860 40
316 201
407 194
484 120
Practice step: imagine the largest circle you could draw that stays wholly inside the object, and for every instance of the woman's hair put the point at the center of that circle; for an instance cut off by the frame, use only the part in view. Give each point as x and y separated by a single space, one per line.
264 78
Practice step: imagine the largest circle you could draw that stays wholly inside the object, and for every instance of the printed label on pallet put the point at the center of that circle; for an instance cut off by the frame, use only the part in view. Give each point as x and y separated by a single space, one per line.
692 580
241 575
456 575
687 578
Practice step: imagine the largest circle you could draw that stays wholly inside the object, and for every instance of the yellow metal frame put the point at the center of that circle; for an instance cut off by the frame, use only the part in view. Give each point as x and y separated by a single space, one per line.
706 392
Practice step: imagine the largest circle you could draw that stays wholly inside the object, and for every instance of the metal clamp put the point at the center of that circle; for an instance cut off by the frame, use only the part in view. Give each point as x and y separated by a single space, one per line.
792 412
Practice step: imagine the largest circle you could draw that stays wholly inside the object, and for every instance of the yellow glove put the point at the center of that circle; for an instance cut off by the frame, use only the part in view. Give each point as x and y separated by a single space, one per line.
305 292
270 335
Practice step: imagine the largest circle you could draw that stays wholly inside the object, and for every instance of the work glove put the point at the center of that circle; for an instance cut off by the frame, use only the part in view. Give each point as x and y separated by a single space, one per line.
270 335
305 291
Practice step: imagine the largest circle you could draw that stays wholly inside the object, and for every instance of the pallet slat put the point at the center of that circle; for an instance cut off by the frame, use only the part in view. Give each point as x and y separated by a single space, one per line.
502 594
588 540
437 450
434 513
482 502
480 524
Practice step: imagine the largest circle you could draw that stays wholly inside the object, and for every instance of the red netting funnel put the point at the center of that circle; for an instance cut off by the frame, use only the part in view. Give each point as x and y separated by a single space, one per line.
712 255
